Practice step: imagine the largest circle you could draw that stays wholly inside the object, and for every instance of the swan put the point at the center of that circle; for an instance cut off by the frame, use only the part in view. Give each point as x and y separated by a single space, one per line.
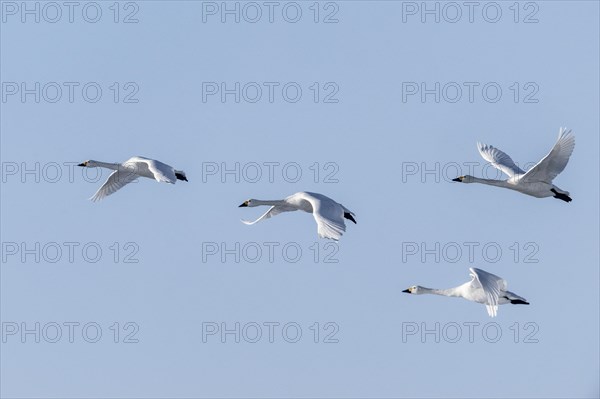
484 287
130 170
537 181
328 214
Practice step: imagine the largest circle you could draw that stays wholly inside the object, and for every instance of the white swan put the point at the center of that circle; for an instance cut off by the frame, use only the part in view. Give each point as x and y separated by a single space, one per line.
328 214
484 287
537 181
130 170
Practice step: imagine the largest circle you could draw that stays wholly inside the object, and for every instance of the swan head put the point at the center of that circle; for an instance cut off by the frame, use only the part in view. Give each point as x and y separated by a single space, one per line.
464 179
88 164
248 203
415 289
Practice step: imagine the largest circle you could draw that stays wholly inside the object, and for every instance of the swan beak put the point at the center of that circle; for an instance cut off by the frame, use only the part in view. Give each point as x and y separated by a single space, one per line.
407 291
81 164
458 179
243 205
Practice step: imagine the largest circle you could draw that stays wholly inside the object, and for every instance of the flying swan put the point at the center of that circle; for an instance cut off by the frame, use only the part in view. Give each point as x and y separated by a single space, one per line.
484 287
537 181
130 170
328 214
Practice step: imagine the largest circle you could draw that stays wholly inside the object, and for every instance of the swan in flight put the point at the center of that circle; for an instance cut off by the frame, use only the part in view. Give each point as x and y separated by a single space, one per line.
484 287
328 214
537 181
130 170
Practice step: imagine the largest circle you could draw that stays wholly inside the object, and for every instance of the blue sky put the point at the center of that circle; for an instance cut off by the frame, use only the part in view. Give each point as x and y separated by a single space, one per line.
160 260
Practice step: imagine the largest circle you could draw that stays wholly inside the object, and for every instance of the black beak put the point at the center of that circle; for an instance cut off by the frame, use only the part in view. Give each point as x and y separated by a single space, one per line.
243 205
407 291
457 179
81 164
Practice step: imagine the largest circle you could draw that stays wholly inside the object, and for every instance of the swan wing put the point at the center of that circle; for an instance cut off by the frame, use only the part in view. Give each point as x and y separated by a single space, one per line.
116 180
555 162
329 216
273 211
499 159
161 171
491 285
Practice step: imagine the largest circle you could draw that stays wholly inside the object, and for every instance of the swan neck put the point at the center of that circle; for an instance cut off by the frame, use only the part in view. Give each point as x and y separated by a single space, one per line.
268 202
443 292
491 182
108 165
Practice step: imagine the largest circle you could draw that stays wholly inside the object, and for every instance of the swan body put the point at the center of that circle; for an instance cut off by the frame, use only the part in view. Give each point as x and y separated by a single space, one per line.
537 181
328 214
126 172
485 288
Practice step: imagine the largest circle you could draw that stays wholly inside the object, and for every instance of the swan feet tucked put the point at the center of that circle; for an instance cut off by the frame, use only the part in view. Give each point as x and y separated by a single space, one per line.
180 176
517 301
349 216
561 196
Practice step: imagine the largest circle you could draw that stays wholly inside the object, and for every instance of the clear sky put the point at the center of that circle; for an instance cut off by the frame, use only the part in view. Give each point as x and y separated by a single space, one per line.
377 105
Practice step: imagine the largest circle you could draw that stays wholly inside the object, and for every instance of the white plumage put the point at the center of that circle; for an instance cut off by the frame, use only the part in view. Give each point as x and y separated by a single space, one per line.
328 214
126 172
537 181
485 288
